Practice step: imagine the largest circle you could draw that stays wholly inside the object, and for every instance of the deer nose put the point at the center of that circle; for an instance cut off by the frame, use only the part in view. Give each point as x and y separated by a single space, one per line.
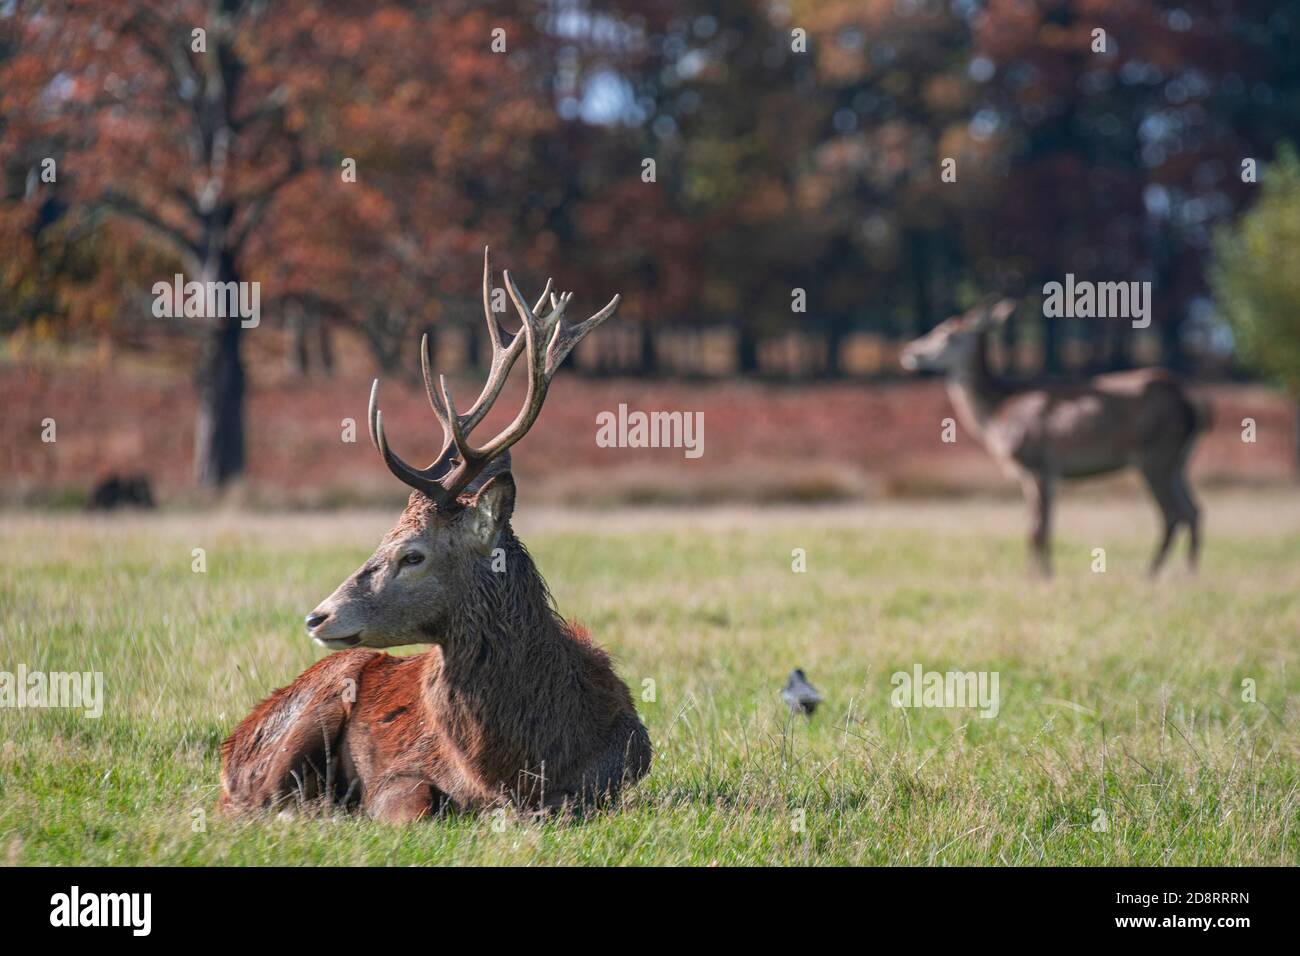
316 618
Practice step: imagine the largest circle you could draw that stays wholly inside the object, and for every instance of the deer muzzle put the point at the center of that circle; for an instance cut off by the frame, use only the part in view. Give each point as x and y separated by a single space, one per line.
332 630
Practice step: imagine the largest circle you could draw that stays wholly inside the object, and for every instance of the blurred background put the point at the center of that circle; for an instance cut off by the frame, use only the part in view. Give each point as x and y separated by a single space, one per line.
762 181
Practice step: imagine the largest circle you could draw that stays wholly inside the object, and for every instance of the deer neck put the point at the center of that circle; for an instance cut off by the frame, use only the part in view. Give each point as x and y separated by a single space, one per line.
973 390
508 692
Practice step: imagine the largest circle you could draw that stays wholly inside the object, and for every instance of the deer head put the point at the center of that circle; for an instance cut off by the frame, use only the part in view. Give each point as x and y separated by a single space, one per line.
952 345
462 503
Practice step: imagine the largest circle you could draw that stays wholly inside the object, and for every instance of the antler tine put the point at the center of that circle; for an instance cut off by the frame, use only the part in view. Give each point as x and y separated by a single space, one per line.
427 372
373 413
546 340
544 358
494 330
546 294
503 359
458 432
567 337
538 382
494 327
414 477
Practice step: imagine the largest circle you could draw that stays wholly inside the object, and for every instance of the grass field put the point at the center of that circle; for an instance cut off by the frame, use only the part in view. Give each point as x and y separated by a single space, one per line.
1121 700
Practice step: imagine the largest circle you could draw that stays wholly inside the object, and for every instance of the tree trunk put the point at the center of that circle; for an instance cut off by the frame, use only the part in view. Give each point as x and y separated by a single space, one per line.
1295 434
310 348
384 332
1011 348
325 345
296 323
746 349
1120 356
646 357
1171 344
474 344
1051 345
219 430
837 330
918 254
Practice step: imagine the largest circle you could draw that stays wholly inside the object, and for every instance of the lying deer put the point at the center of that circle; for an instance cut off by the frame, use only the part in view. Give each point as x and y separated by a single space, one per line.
512 703
1039 434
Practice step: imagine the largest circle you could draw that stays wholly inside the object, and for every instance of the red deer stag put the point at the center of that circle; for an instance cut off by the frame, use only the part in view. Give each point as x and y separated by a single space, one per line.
1043 433
511 704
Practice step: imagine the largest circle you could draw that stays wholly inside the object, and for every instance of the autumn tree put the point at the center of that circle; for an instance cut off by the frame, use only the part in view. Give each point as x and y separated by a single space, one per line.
184 120
1124 127
348 159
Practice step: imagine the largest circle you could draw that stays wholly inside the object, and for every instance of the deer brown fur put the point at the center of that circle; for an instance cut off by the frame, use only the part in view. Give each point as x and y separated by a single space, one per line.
1064 430
512 704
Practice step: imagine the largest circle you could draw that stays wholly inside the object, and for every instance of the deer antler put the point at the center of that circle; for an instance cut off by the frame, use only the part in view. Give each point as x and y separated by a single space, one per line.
547 342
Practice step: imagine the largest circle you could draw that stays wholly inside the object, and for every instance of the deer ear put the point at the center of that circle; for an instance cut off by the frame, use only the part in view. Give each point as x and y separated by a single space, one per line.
490 510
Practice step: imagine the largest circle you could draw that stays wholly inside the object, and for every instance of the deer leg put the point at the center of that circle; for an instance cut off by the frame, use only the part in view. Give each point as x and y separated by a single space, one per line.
289 745
1161 483
1191 516
404 799
1038 495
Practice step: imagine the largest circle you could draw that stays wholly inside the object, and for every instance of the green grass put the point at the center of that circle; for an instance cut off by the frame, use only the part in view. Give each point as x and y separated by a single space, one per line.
1118 695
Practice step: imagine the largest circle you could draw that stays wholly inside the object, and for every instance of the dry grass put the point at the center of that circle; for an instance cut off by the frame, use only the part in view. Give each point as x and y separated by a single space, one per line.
763 442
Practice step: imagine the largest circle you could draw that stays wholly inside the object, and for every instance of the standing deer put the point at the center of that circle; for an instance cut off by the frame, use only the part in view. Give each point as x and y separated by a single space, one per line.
1039 434
512 704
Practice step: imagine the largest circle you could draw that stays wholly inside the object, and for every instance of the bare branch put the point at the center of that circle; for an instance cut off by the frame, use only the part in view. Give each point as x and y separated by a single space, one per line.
130 209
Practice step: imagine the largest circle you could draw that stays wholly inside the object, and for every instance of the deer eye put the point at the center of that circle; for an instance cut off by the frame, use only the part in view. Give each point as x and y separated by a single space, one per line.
412 558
